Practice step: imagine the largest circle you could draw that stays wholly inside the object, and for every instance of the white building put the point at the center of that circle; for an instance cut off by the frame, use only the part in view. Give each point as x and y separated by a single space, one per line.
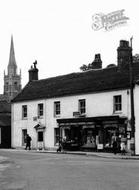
86 109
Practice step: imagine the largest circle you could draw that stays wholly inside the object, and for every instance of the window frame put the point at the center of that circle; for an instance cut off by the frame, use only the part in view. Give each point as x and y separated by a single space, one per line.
40 110
56 136
24 112
24 133
57 108
82 108
117 103
40 136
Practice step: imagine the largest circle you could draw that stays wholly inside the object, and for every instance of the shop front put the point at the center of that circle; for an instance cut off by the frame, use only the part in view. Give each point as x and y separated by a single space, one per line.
92 133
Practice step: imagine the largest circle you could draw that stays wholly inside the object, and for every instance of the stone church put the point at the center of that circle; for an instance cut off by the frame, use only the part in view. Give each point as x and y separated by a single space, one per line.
12 86
12 81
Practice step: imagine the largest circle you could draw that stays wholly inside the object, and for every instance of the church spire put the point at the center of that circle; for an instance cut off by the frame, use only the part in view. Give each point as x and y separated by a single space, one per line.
12 81
12 62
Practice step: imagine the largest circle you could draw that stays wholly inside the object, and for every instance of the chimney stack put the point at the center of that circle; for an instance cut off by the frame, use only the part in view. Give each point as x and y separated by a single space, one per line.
97 63
33 72
123 55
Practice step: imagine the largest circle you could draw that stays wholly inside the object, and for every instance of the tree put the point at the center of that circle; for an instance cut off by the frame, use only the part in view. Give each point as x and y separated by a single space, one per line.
136 58
84 67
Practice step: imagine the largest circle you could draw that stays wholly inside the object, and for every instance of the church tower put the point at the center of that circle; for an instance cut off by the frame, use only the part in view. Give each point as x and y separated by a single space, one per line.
12 81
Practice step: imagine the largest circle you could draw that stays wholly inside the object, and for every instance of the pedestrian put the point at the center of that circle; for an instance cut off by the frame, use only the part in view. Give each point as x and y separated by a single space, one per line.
28 142
115 147
123 148
59 148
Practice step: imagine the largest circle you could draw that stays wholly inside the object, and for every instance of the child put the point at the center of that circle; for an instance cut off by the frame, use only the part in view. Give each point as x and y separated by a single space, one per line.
123 148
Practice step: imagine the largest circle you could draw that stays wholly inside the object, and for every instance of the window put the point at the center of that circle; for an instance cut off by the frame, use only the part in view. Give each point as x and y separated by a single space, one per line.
40 136
56 108
24 134
82 106
24 111
117 103
6 86
15 86
40 110
56 136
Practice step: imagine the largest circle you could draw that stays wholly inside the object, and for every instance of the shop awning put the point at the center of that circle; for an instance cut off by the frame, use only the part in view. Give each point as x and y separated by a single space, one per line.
91 121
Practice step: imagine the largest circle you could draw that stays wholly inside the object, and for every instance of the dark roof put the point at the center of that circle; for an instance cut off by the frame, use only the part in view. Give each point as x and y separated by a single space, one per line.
77 83
5 120
3 97
5 107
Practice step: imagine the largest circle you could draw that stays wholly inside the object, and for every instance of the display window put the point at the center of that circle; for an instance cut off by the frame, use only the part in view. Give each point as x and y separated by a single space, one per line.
93 136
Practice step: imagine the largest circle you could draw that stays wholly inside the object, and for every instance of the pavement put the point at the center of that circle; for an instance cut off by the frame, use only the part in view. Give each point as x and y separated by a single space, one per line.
94 154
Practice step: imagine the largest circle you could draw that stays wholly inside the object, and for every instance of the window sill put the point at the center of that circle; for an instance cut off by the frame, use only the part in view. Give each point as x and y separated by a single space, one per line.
40 117
117 112
24 118
56 116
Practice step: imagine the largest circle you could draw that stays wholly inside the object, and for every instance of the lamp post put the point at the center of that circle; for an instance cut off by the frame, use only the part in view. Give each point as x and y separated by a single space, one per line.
132 102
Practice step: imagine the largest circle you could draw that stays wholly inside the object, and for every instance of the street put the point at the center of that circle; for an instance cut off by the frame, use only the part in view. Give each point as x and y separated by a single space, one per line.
28 170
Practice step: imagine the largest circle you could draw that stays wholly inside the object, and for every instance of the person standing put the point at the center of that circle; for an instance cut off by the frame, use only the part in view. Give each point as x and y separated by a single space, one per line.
115 147
114 143
28 142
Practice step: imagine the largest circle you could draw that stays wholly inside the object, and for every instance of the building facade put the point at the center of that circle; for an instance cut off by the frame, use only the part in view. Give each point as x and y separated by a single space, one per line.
84 111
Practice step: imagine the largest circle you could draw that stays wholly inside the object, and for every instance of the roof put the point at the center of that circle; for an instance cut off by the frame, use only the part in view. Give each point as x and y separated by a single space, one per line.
92 81
5 107
3 97
5 120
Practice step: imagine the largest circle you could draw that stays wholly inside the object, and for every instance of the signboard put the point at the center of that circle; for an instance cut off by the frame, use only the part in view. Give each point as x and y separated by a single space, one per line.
99 146
76 114
34 118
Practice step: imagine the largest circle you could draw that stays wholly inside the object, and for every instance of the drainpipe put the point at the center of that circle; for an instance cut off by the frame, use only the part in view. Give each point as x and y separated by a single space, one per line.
132 145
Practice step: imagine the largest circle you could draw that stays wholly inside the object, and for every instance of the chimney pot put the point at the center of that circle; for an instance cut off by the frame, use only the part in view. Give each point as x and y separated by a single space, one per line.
33 72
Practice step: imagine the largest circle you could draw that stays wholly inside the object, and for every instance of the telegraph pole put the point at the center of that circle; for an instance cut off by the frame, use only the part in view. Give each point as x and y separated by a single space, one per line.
132 101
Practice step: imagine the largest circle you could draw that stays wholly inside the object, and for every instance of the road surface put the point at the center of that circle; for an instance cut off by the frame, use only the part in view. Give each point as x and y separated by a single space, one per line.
27 170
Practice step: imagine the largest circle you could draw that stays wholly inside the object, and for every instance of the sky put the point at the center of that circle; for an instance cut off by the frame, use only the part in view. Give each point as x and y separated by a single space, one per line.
59 34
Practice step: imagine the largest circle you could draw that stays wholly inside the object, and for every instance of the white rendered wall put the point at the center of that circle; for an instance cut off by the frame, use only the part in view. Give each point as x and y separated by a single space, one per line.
136 106
100 104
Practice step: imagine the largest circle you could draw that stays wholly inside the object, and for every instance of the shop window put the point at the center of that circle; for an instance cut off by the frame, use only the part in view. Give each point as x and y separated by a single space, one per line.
56 136
24 111
40 136
117 103
89 138
24 134
40 110
67 133
82 106
57 108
